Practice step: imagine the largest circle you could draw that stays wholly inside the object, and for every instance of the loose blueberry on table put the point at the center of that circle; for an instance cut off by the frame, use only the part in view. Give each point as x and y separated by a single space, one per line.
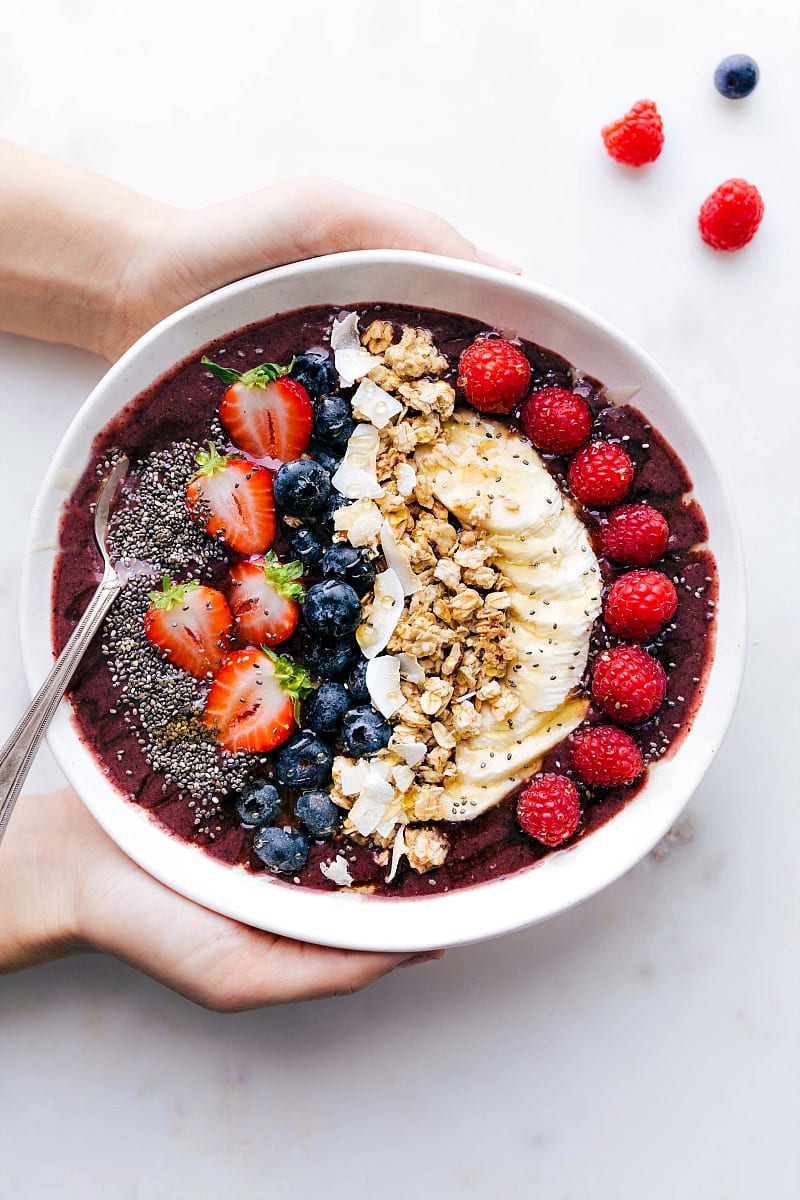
413 605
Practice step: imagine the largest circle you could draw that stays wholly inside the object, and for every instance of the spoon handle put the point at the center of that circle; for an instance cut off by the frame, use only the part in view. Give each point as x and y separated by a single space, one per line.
20 749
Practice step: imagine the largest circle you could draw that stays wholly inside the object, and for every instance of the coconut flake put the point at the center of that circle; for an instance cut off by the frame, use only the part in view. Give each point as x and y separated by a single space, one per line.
351 359
374 404
351 778
356 476
398 850
394 814
410 668
337 871
403 777
397 559
384 614
410 752
360 521
383 684
406 479
370 807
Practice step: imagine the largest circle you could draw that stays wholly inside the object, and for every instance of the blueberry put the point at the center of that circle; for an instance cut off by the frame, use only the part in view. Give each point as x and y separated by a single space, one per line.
342 561
302 488
357 683
284 851
333 420
364 731
335 500
324 709
257 803
318 813
736 76
316 372
331 660
304 761
326 458
305 545
332 609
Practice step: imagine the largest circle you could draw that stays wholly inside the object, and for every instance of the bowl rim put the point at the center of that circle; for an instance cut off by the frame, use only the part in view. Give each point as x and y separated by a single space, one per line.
351 919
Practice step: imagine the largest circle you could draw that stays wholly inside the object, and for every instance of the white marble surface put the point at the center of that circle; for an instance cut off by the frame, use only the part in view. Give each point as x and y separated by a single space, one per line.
645 1043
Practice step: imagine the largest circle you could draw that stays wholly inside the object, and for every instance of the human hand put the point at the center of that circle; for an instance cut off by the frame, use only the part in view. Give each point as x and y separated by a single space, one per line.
65 887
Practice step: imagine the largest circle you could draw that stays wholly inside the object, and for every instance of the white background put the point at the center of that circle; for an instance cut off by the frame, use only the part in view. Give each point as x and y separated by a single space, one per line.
645 1044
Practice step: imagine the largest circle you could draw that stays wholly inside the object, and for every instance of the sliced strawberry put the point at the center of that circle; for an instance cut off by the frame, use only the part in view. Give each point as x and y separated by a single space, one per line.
232 499
190 624
264 596
254 702
266 413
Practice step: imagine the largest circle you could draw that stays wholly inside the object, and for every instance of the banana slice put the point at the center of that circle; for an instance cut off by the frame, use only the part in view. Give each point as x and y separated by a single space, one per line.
493 479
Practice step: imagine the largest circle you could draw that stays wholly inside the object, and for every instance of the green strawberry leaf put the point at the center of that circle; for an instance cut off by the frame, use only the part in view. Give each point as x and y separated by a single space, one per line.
283 577
172 595
256 377
292 679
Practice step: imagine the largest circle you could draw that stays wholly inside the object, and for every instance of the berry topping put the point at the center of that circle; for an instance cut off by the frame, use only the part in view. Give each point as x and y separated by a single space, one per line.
333 420
331 660
736 76
357 683
302 488
555 420
315 371
318 813
284 851
640 604
190 624
635 535
325 710
364 731
549 809
628 684
636 138
253 703
305 545
600 474
604 756
264 596
343 561
731 215
332 609
266 413
305 761
232 500
257 803
493 374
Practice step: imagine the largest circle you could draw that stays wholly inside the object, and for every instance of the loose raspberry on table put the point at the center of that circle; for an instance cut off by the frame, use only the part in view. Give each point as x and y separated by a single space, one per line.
628 684
731 215
600 474
635 535
494 375
555 420
637 137
640 604
606 757
549 809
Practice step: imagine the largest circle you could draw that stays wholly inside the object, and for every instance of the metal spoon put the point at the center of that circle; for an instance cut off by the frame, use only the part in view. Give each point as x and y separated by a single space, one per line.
20 750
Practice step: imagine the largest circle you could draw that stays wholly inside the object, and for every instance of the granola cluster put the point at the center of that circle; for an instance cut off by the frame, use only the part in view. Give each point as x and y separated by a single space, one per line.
452 634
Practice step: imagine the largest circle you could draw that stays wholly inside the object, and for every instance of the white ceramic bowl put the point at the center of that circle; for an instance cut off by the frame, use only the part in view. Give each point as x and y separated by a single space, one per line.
470 914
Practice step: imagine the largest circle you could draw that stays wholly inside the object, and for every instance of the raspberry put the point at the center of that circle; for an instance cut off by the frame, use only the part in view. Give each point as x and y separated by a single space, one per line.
731 215
600 474
628 684
494 375
606 757
639 604
635 535
556 420
637 137
549 809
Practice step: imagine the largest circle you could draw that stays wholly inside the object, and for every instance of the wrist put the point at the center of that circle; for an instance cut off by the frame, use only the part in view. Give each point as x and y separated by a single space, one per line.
38 882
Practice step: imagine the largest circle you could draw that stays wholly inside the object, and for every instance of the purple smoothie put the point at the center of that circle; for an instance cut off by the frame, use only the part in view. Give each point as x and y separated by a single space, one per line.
183 404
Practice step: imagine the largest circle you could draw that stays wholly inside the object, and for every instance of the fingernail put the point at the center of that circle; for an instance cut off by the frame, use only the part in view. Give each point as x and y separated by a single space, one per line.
492 260
428 956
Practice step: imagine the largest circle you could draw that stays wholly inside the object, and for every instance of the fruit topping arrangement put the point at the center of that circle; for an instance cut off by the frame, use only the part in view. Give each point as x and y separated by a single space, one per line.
409 609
